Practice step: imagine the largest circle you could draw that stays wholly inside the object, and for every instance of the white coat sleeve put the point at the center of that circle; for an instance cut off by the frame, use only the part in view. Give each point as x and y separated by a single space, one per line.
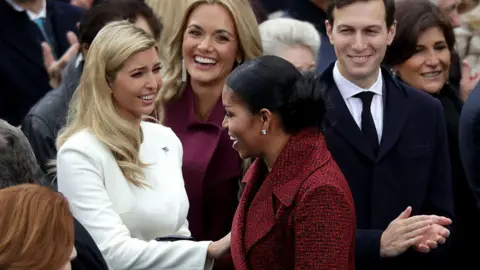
80 180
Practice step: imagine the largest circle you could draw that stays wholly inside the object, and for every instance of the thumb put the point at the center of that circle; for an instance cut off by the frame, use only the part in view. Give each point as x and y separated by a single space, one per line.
406 213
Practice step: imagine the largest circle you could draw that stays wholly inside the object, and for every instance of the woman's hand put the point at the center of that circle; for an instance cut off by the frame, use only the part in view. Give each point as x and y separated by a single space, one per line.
219 248
468 81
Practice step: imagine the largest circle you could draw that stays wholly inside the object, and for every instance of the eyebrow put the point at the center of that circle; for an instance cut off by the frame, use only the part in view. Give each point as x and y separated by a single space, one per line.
217 31
142 68
376 26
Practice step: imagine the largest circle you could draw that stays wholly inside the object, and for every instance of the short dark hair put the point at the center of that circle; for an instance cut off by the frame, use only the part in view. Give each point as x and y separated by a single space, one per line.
338 4
18 164
273 83
411 23
108 11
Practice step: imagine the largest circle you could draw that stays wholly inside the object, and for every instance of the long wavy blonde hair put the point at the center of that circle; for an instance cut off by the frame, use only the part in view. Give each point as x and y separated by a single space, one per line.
170 13
92 106
250 46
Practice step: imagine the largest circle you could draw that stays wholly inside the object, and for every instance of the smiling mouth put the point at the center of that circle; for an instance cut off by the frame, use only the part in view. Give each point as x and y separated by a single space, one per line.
432 74
147 97
204 60
359 58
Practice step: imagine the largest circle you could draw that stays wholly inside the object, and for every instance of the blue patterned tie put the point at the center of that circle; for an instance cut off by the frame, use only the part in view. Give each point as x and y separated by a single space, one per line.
40 22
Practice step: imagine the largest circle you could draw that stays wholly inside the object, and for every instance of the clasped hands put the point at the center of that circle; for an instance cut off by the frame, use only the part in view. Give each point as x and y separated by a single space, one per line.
422 232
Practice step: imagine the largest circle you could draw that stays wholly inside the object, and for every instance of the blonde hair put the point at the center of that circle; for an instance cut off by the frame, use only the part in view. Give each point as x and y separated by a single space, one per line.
170 13
92 105
250 45
281 33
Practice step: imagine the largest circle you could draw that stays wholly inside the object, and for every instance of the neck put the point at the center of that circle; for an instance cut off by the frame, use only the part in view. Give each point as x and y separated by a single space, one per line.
206 97
275 147
363 82
33 6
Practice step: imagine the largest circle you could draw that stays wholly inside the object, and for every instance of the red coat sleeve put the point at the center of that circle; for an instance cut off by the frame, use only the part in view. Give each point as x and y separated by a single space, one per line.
324 225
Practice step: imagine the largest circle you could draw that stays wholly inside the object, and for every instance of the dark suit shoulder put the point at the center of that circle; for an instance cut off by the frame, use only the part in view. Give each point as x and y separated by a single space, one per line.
66 7
51 109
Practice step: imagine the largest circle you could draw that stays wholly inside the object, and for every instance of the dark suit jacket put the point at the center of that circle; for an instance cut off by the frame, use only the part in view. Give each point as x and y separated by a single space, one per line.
469 141
412 167
211 169
466 213
42 124
89 256
23 77
300 216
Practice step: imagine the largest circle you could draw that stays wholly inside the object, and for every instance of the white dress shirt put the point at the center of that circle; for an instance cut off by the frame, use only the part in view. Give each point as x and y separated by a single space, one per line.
123 219
348 90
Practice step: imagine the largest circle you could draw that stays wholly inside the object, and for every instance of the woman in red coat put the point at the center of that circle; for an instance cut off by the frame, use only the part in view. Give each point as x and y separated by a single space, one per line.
296 211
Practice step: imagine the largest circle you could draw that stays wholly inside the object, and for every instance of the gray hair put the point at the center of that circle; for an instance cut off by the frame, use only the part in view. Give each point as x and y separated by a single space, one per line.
281 33
18 164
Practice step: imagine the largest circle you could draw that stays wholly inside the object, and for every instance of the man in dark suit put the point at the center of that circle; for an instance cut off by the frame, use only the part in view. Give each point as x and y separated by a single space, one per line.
24 25
469 141
389 141
18 166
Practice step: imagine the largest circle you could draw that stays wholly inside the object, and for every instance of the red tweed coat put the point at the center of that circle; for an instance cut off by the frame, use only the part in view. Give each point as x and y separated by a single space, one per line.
300 216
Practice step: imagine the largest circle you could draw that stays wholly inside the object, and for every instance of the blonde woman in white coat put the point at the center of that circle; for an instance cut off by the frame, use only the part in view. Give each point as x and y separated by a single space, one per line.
122 176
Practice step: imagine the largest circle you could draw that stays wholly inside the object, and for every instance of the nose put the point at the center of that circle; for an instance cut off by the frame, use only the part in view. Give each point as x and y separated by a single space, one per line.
225 122
359 43
154 81
205 43
432 58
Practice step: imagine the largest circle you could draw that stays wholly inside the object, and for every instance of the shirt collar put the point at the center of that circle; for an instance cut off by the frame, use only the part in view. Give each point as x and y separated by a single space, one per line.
33 16
348 89
79 60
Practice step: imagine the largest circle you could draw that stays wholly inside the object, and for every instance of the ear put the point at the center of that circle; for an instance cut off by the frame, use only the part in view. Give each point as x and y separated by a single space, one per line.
329 28
391 33
266 117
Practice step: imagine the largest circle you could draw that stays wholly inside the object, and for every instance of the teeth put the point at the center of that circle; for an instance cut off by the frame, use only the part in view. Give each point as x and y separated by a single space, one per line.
431 74
359 57
232 138
149 97
204 60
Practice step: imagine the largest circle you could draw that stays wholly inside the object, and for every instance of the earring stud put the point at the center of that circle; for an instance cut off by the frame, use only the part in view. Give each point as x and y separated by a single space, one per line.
264 132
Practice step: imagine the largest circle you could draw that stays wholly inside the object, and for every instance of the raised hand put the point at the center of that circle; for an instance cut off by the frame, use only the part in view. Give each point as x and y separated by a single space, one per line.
469 80
404 232
54 67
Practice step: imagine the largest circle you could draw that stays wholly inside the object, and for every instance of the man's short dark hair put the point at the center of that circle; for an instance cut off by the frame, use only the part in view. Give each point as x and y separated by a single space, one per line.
338 4
113 10
17 160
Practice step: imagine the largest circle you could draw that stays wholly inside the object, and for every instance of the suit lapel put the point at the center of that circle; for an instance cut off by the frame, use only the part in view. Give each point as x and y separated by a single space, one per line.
396 111
338 116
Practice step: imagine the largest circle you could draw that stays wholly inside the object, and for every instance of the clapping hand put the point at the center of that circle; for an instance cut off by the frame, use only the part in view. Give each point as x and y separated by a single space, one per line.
423 232
53 66
437 234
